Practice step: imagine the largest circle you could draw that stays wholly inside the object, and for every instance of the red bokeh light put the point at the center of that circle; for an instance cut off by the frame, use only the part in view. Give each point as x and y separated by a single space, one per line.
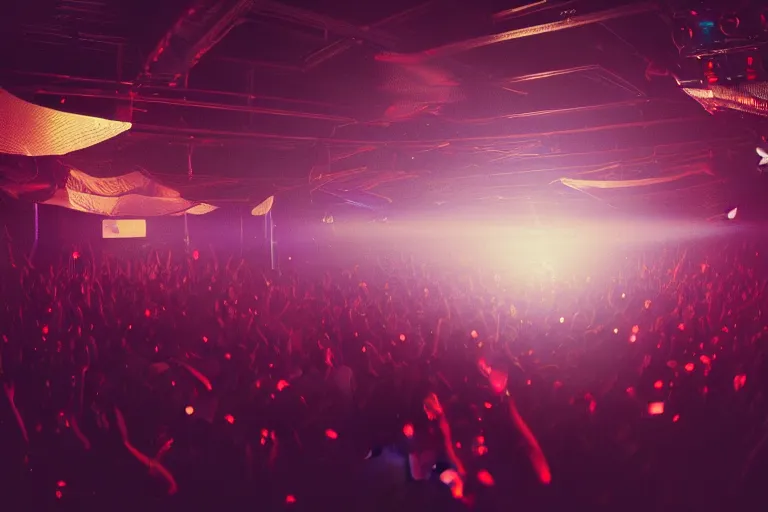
485 478
408 430
656 408
331 434
739 381
229 419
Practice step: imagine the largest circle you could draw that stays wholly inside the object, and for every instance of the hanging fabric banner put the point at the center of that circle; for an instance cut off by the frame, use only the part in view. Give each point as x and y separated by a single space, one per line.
32 130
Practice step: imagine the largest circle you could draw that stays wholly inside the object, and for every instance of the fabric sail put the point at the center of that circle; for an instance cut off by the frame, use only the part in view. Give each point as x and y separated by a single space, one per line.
622 184
264 207
130 195
32 130
682 188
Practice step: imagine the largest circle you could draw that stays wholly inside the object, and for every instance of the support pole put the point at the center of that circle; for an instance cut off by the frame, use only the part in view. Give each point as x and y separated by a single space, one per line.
241 233
186 233
37 231
271 230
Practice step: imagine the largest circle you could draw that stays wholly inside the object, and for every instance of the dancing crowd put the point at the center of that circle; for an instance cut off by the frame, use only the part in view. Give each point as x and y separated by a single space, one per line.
168 379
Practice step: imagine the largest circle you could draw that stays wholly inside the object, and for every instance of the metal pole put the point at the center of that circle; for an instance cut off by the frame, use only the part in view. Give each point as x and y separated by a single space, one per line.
241 232
186 233
271 226
37 231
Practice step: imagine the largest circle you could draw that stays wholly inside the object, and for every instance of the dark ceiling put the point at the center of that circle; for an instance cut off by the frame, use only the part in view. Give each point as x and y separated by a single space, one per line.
398 104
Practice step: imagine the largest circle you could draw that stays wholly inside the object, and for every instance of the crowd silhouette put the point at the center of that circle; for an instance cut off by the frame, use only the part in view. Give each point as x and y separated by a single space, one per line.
166 379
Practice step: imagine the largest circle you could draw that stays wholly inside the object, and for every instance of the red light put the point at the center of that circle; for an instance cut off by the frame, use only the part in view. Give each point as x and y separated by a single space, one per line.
45 329
658 384
656 408
675 418
488 405
750 61
689 367
290 499
205 339
75 255
282 384
58 494
189 410
408 430
402 337
147 313
739 381
61 483
331 434
195 255
227 356
485 478
705 360
229 419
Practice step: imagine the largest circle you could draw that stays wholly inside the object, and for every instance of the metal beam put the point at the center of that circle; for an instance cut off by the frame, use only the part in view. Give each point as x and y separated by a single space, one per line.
169 130
198 30
177 102
479 42
338 47
323 22
602 72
